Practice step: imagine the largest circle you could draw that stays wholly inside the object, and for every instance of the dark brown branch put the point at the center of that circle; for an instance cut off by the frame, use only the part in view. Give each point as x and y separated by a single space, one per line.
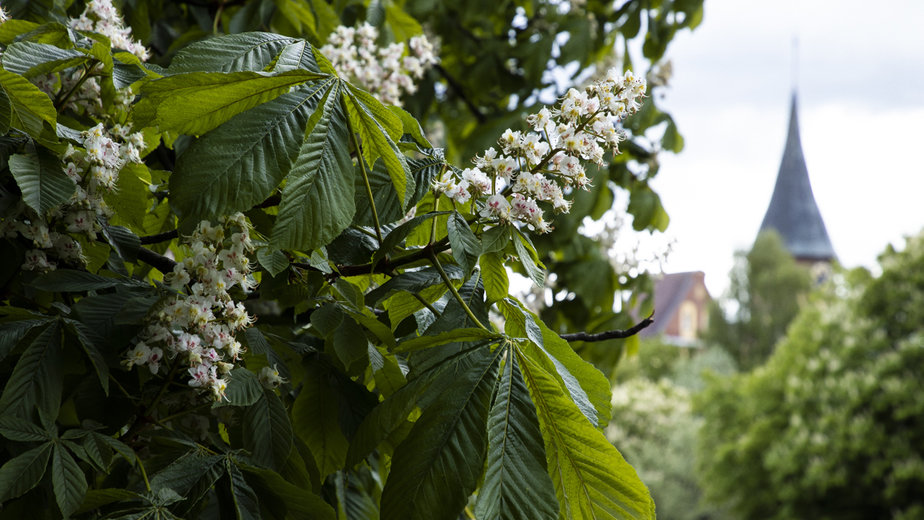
157 261
460 91
386 265
610 334
160 237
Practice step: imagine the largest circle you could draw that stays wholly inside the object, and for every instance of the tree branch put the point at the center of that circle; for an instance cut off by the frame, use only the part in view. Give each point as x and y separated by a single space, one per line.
610 334
160 237
159 262
459 91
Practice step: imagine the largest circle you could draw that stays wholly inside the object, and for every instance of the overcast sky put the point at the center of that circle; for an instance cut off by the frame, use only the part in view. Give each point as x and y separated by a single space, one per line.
861 108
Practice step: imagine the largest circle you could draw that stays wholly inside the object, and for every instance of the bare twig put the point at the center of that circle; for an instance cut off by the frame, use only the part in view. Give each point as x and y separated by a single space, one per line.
610 334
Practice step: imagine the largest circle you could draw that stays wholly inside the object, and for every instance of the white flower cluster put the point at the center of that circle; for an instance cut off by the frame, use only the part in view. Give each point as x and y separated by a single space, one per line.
269 377
4 16
540 166
387 72
199 324
100 16
95 169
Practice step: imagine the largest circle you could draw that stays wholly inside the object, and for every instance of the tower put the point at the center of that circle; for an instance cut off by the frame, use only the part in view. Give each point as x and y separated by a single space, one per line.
793 212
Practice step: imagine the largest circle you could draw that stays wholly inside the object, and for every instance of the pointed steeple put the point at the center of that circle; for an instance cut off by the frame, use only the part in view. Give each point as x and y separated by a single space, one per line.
793 212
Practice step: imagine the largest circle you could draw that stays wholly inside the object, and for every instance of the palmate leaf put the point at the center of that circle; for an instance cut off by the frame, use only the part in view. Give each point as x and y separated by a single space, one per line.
317 202
42 180
36 379
591 479
379 129
465 245
24 472
288 500
587 386
240 163
516 483
315 419
197 102
420 391
253 51
68 481
244 502
23 106
267 431
438 465
494 274
31 59
191 476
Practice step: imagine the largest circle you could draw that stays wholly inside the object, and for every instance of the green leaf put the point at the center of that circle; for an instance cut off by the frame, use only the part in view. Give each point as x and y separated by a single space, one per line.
420 391
190 476
316 420
25 107
68 480
267 431
386 371
32 59
351 346
403 25
293 501
16 429
438 465
253 51
96 498
297 55
526 260
197 102
494 274
411 126
451 336
42 180
586 385
321 179
239 164
379 129
244 389
591 478
244 500
24 472
516 483
36 379
71 280
465 245
495 239
83 335
131 200
11 333
273 260
412 281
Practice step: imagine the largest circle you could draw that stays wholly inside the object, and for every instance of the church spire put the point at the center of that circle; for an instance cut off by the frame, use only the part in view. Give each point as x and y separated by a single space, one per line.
793 212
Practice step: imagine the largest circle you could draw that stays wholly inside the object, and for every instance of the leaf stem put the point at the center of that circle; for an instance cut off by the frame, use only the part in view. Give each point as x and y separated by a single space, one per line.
61 102
455 293
362 168
144 474
436 209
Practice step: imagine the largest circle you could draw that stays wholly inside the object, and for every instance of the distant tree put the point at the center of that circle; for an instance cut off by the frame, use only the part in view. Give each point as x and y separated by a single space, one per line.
767 286
655 429
832 426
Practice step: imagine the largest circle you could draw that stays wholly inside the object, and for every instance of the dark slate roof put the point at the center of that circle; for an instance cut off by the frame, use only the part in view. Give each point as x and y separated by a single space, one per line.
793 211
670 291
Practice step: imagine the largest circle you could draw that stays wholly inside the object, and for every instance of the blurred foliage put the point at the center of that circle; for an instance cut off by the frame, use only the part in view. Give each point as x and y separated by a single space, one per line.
766 289
654 426
833 425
